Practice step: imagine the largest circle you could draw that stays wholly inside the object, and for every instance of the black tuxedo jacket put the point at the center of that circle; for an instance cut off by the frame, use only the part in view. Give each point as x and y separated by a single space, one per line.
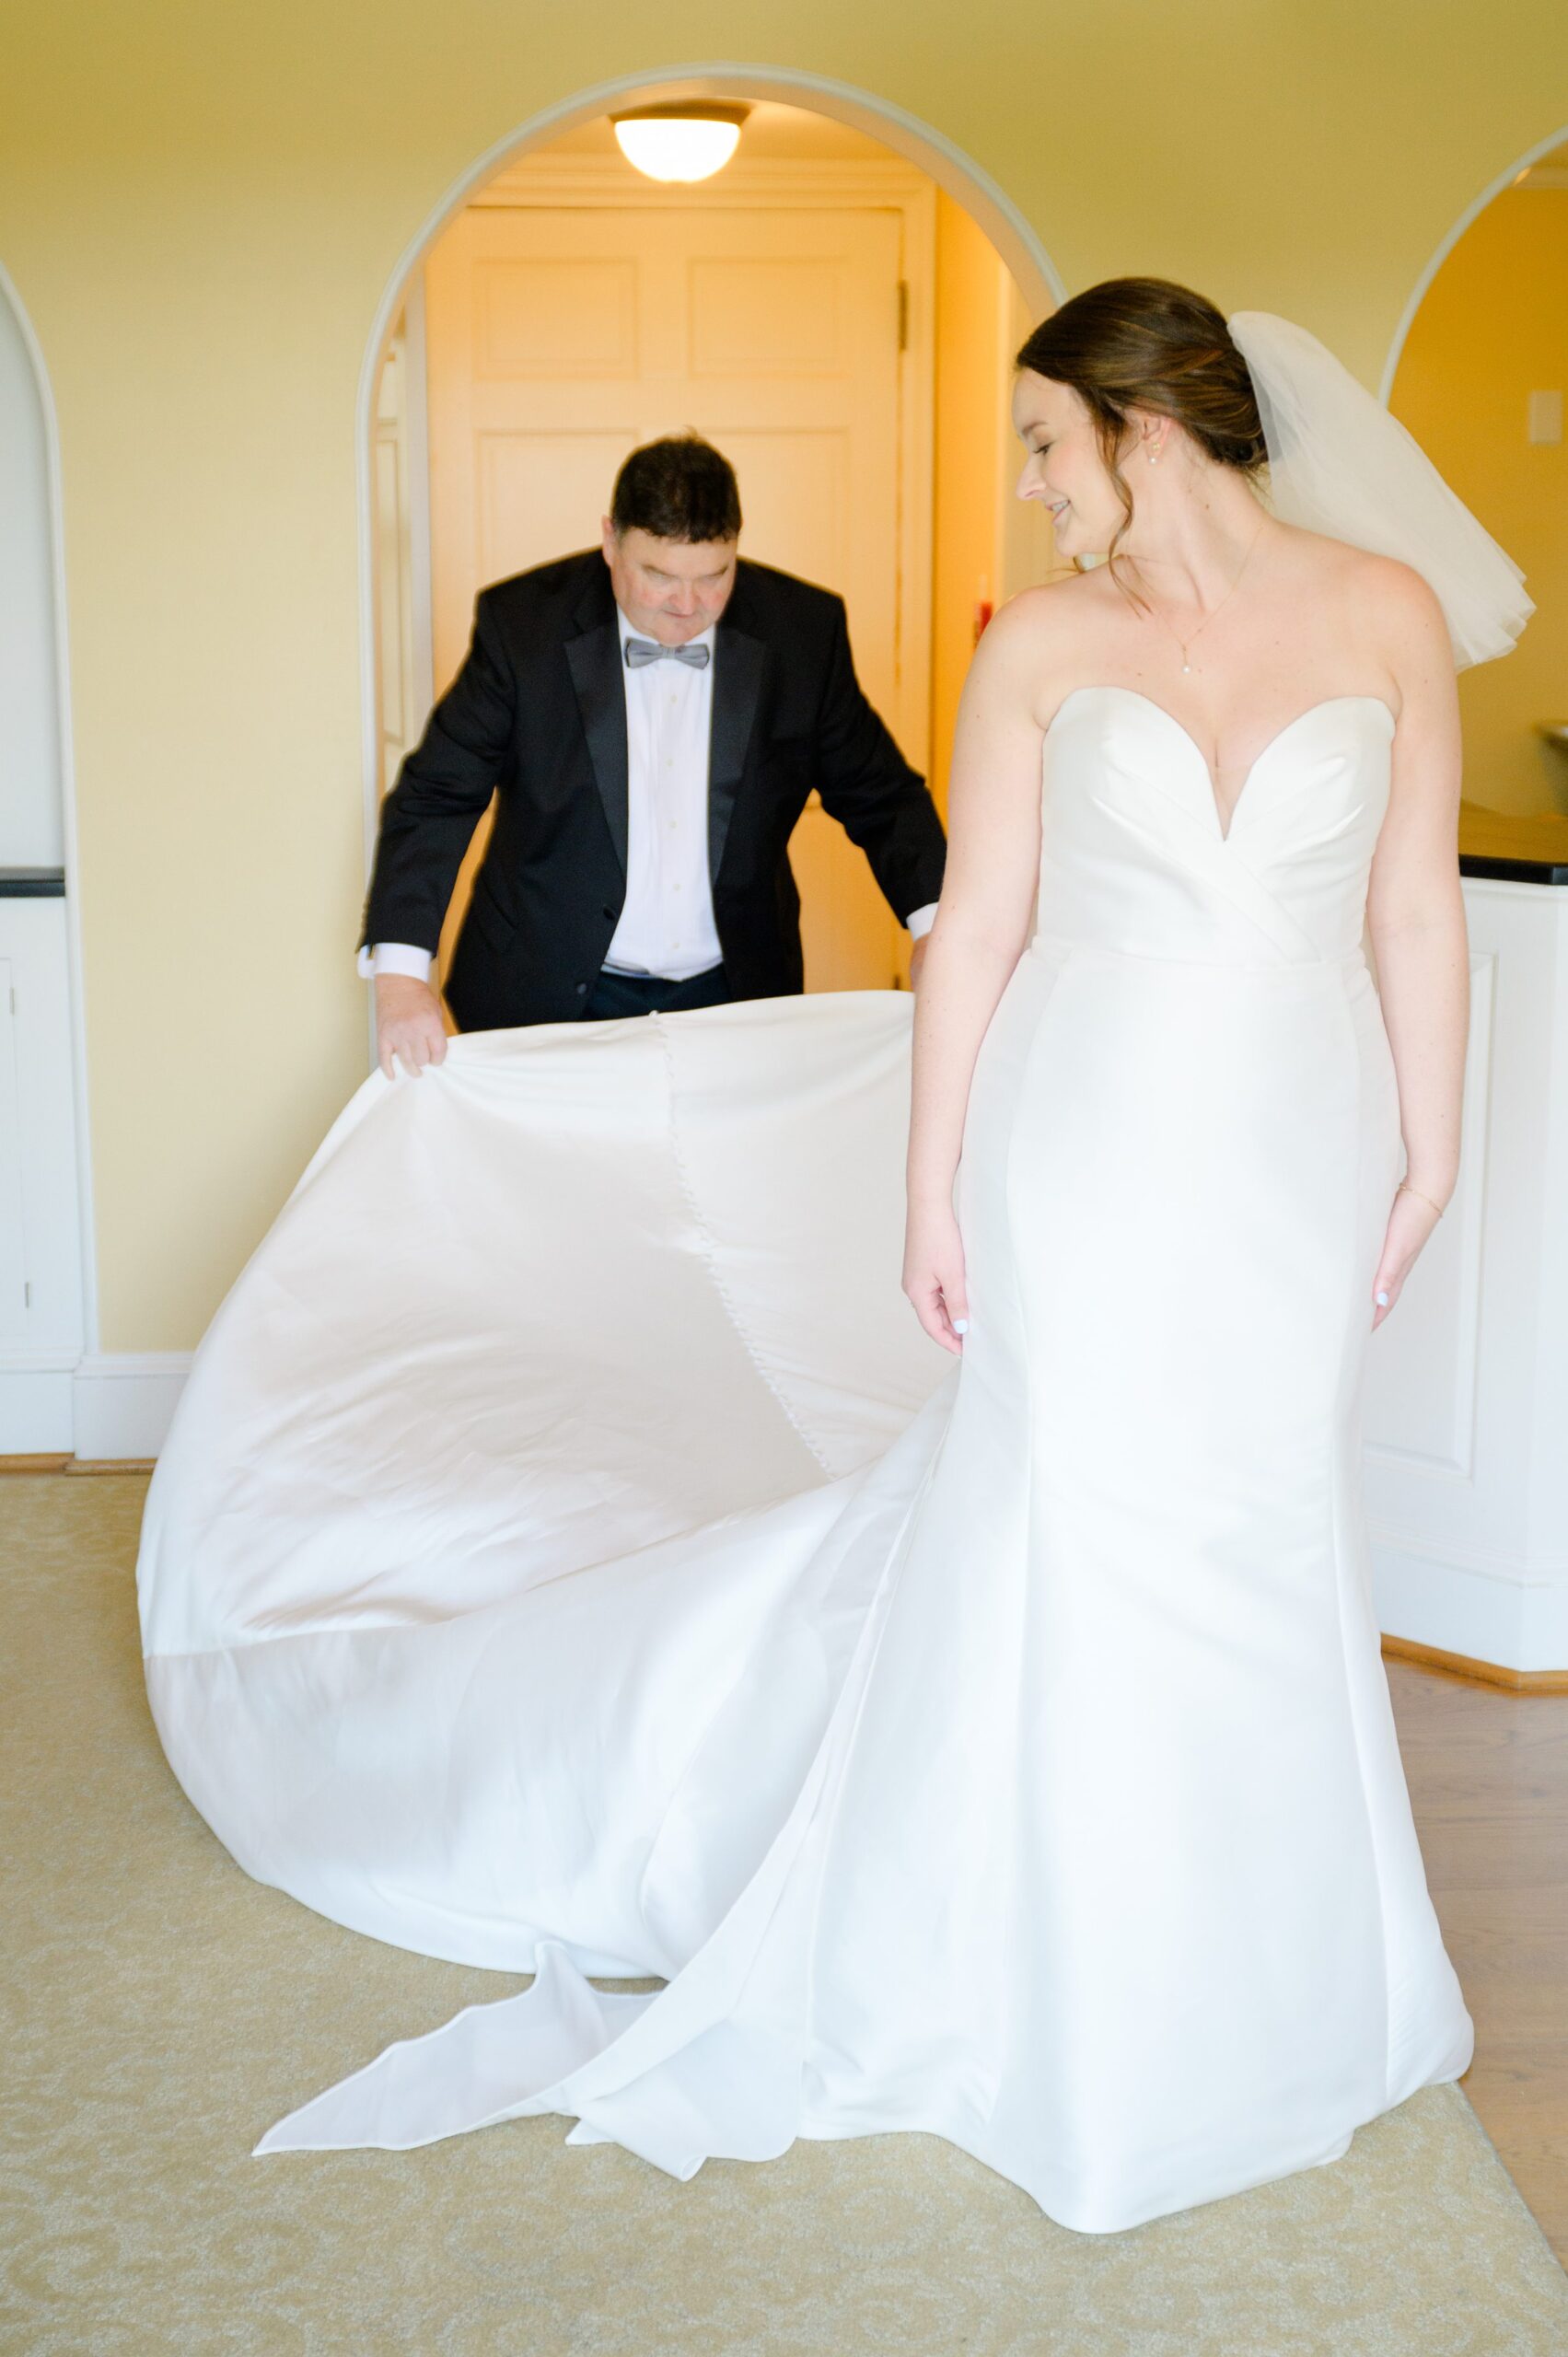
538 715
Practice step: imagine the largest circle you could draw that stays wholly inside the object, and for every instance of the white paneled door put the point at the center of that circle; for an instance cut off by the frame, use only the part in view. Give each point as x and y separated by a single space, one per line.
559 338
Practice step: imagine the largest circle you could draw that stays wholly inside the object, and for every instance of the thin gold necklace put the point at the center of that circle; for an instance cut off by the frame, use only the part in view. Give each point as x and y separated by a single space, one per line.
1185 642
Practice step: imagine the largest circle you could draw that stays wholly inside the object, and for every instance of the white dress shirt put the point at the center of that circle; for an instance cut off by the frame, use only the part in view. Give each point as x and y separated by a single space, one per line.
667 922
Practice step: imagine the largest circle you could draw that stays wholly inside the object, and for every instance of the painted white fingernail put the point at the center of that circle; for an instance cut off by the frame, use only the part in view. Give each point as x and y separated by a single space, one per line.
960 1324
1382 1300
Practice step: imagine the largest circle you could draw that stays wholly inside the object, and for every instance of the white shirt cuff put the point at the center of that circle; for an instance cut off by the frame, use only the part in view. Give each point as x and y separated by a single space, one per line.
395 958
920 920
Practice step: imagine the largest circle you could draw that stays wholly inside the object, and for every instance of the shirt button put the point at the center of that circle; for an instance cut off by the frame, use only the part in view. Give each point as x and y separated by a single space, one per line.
582 990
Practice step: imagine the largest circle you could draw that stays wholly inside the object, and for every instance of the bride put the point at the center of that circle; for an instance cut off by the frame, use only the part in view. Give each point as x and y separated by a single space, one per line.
596 1583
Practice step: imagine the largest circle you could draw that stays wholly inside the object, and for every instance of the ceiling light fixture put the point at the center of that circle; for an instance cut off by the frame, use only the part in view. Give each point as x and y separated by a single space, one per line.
687 140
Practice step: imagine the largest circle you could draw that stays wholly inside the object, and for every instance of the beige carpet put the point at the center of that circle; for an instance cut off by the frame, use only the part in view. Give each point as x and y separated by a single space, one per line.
162 2010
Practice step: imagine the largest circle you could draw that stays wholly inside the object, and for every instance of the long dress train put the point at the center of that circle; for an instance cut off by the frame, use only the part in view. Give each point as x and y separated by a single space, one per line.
569 1555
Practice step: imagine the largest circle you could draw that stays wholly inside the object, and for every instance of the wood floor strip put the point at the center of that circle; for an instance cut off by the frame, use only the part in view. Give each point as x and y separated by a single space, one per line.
1487 1768
67 1464
1479 1673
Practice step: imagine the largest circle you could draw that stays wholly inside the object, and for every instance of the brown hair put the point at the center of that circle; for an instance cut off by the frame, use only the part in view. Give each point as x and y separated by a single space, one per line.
678 488
1147 344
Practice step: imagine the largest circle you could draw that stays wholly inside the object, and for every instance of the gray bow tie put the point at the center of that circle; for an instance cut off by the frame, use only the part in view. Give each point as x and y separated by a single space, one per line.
646 650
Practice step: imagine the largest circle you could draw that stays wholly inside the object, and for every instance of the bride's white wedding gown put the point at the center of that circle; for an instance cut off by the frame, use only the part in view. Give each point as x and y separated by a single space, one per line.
569 1553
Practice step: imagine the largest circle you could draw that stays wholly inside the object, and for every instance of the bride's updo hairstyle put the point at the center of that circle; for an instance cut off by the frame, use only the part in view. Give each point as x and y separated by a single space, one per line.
1149 345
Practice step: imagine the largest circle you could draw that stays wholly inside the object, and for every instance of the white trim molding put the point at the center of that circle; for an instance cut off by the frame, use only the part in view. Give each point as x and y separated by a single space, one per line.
100 1407
1485 1611
1478 204
122 1402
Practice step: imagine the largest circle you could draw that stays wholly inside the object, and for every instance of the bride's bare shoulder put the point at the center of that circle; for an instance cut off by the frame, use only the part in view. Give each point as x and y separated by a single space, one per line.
1036 633
1050 605
1371 584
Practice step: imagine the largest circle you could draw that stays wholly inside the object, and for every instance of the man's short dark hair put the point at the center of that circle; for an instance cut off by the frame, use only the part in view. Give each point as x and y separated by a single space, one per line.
678 489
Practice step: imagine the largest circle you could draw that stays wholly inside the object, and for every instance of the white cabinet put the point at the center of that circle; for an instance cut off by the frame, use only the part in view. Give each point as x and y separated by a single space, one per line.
1467 1410
40 1266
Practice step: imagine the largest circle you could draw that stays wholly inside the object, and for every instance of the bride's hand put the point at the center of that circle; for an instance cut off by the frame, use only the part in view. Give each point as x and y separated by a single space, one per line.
1410 1221
933 1275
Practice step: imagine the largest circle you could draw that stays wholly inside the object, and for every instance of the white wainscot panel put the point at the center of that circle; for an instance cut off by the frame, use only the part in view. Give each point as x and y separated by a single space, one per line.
1466 1405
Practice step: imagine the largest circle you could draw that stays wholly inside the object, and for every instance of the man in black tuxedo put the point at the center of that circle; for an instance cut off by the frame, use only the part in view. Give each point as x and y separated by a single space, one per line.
651 719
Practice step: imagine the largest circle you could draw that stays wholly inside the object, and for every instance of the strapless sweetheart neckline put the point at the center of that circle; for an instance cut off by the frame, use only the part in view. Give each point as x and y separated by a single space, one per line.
1324 704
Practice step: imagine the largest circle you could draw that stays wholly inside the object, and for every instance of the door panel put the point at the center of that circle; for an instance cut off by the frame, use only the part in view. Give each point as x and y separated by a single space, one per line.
560 337
551 318
752 316
536 489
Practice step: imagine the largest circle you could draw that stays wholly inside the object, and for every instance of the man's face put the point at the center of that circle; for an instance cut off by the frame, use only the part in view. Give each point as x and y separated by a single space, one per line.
668 591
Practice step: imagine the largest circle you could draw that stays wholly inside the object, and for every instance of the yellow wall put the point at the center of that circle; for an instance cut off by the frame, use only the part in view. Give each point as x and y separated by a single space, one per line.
1492 328
971 389
202 206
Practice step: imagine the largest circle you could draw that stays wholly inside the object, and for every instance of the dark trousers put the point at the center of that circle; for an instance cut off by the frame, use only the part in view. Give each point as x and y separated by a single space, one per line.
616 994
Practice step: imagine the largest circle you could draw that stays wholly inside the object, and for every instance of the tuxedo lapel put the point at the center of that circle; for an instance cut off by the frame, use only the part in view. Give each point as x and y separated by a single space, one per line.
595 659
737 682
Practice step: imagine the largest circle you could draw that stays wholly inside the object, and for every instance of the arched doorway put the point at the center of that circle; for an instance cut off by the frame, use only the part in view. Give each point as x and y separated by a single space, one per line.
831 196
45 1258
1478 373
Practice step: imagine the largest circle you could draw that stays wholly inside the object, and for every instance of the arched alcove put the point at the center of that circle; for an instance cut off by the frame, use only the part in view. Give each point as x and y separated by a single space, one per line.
900 139
1478 377
1450 239
45 1255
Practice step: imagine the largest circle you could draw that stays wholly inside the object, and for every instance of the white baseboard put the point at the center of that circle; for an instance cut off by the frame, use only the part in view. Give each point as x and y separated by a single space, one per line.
1486 1615
97 1406
122 1403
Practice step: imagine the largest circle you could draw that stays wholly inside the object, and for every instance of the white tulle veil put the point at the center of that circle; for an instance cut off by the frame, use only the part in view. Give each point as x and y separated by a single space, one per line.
1340 464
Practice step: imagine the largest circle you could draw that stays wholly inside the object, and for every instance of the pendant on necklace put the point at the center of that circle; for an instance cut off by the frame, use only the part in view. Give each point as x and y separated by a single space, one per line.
1187 667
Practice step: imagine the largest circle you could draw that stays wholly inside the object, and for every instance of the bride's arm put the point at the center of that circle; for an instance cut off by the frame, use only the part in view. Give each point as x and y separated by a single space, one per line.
982 922
1416 915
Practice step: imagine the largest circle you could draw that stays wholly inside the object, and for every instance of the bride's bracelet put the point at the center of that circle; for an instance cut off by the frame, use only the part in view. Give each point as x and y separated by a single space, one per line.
1406 1188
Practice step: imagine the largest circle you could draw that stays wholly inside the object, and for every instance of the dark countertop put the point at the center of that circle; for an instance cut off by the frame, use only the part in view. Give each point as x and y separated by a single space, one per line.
1518 850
